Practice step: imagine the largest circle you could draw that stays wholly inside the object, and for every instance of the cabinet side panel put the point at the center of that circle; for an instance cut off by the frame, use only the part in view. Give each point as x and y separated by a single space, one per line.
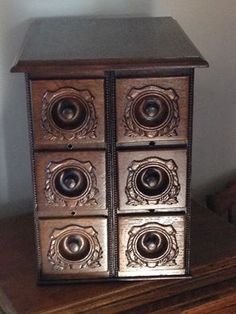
31 139
189 173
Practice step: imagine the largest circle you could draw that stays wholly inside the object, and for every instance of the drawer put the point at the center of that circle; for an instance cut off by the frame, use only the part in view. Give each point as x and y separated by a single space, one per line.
73 248
70 183
68 113
152 110
152 179
151 245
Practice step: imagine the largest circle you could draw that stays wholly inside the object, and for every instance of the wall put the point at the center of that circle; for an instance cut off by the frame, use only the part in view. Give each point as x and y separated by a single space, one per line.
211 24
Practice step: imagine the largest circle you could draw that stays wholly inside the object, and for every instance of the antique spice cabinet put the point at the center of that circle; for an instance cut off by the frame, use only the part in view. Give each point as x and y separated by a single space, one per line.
110 119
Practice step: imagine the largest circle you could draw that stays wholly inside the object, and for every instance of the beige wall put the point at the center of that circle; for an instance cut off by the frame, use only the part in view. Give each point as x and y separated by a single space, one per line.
211 24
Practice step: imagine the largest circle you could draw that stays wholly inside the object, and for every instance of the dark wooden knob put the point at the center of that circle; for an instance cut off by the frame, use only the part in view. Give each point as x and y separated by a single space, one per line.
69 113
152 181
151 111
152 244
74 247
71 182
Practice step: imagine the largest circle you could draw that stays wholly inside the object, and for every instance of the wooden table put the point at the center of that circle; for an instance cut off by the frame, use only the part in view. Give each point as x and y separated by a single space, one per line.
211 290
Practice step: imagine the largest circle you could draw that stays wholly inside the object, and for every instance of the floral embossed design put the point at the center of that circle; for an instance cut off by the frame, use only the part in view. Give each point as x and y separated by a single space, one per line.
152 245
74 247
71 183
151 112
152 181
68 114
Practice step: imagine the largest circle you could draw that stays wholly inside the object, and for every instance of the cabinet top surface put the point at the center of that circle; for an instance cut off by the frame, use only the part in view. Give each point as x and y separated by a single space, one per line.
106 42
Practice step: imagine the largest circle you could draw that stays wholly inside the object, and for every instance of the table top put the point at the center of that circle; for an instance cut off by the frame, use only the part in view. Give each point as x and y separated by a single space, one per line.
107 42
213 270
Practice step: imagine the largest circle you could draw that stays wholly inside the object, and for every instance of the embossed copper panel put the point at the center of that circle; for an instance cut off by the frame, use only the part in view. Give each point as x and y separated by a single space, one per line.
152 109
74 248
151 245
68 113
152 180
70 183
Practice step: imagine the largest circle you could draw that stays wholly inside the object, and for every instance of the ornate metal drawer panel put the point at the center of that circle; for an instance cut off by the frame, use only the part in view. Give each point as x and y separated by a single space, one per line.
152 110
74 249
68 113
151 245
152 180
71 183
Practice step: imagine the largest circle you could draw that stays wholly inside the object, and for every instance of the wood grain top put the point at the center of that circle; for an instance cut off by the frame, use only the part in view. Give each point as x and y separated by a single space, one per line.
106 43
213 270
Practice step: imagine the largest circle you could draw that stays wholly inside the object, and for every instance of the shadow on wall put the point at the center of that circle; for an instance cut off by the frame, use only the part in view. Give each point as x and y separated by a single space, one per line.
15 151
15 167
213 185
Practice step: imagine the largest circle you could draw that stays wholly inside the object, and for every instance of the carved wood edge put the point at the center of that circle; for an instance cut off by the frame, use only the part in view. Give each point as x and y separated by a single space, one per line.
111 178
33 173
189 172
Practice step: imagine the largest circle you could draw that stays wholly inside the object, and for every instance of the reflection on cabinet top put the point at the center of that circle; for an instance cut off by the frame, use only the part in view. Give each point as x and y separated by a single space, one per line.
106 43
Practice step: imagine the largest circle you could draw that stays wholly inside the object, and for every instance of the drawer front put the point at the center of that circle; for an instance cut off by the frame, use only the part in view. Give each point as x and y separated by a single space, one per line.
151 245
70 183
73 248
152 180
68 113
152 110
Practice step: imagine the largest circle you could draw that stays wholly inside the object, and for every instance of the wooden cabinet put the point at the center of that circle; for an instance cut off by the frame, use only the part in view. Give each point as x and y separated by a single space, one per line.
110 117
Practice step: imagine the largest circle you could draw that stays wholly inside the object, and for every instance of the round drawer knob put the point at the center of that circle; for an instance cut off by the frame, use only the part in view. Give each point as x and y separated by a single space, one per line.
151 111
71 182
152 244
68 113
74 247
152 181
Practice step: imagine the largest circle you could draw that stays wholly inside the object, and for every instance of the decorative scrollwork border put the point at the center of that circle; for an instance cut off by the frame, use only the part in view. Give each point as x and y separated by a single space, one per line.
169 128
92 260
168 258
55 198
54 133
169 196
